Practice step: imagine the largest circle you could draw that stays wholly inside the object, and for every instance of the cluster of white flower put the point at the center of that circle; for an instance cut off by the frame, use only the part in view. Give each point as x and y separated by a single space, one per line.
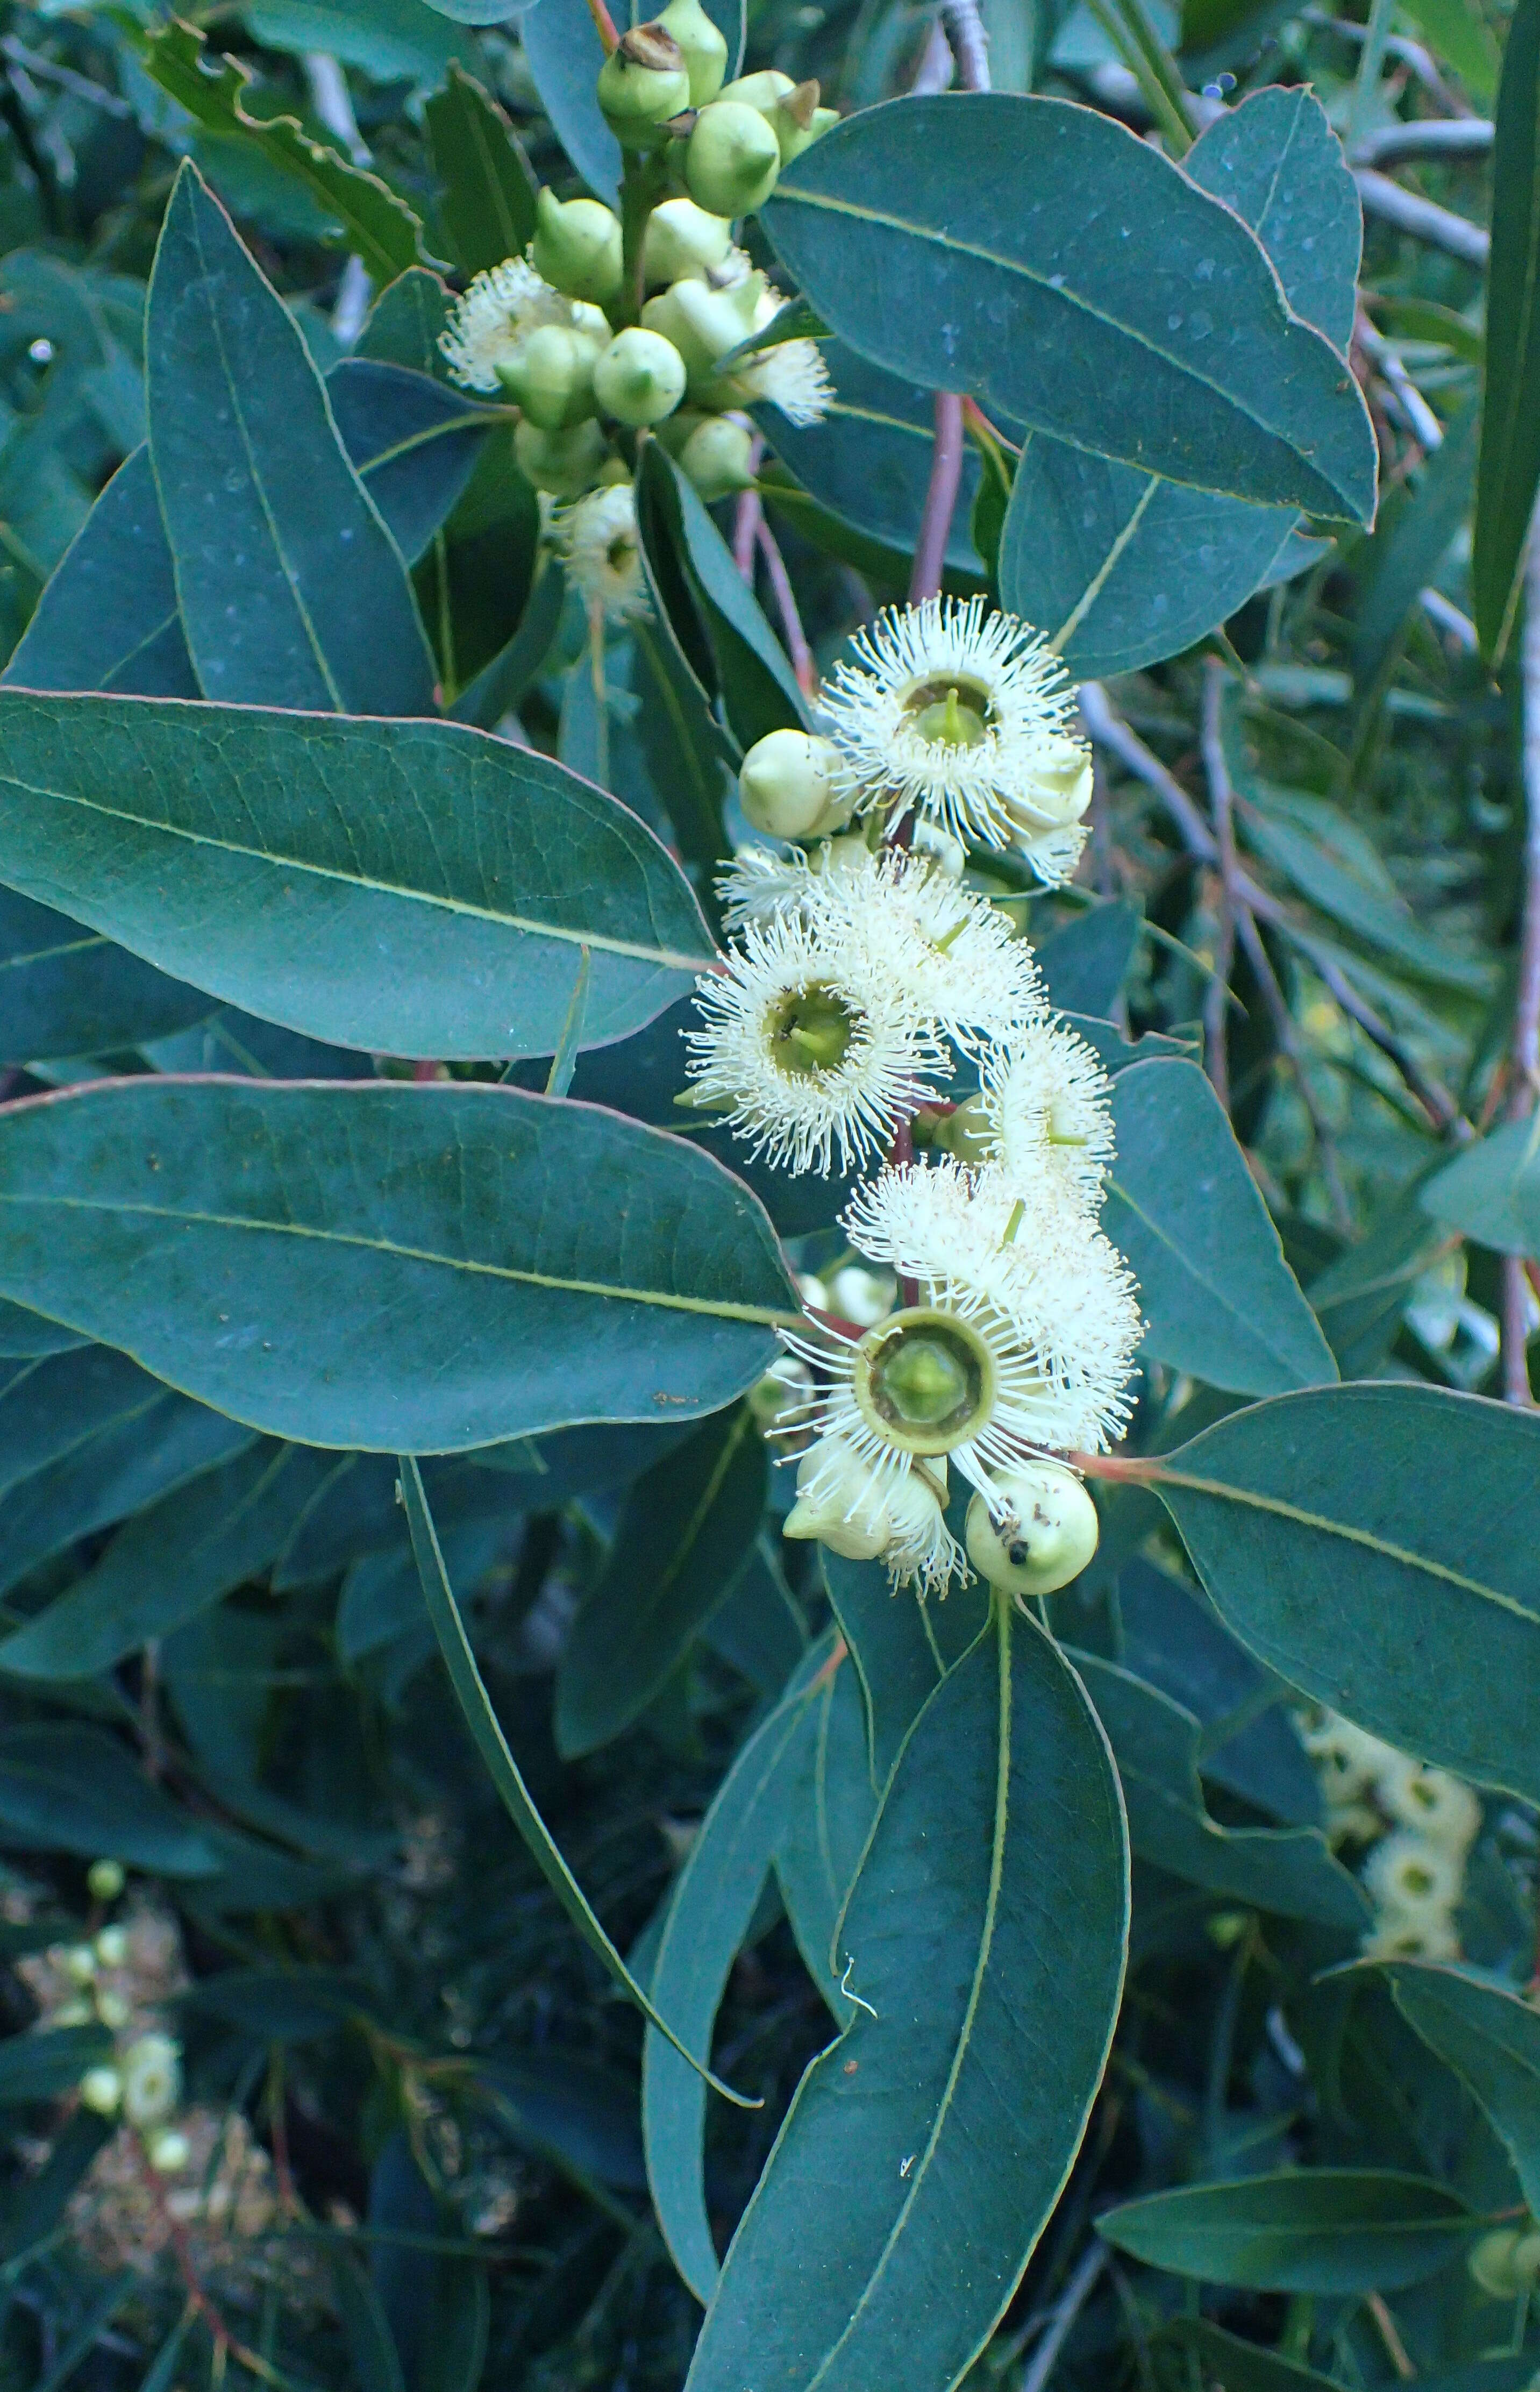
863 970
1418 1826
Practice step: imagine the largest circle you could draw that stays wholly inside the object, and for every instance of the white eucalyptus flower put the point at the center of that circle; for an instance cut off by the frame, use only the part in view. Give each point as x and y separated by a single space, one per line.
1414 1879
151 2074
809 1047
1440 1808
1046 1113
1396 1937
763 882
503 303
876 1511
957 713
956 956
792 376
1052 855
597 538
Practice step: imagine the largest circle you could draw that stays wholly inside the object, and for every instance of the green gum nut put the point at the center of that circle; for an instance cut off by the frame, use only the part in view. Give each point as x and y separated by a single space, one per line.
1043 1538
577 247
792 119
563 464
789 784
703 46
682 239
643 84
732 160
764 91
718 457
702 323
552 376
1507 2262
640 377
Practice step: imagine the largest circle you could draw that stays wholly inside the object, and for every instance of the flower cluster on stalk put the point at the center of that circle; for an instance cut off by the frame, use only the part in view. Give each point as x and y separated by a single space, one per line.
1412 1827
868 977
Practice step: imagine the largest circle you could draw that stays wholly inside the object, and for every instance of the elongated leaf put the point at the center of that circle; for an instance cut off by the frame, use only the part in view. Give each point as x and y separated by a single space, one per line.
66 991
1156 1743
1405 556
1239 2366
1344 1578
709 1913
67 1788
178 1558
299 597
25 1336
414 443
108 618
562 51
482 1720
759 691
1169 346
581 2115
405 323
900 1646
1492 1192
354 204
488 203
828 1818
1276 162
51 1407
1310 2231
1217 1294
391 40
367 1264
47 2062
1086 963
126 1463
686 1532
1491 2038
519 664
986 1934
406 889
678 729
1509 469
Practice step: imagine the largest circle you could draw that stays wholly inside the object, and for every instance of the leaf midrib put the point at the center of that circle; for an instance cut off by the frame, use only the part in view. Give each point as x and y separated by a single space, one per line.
1214 1292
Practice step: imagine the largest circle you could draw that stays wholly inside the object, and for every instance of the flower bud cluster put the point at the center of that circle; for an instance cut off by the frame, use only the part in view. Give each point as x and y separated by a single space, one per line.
1414 1827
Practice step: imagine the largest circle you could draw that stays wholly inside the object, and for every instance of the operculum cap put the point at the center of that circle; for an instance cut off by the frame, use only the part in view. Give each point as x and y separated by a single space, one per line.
733 159
577 247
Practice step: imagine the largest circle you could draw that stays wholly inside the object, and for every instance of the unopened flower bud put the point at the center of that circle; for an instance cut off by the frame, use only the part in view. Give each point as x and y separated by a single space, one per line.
112 1946
101 2090
682 239
151 2079
169 2152
1506 2263
718 457
784 1394
795 118
112 2010
551 374
764 91
732 160
564 464
641 85
577 247
947 854
702 323
105 1880
702 46
640 377
788 784
1042 1532
1056 787
841 1501
80 1963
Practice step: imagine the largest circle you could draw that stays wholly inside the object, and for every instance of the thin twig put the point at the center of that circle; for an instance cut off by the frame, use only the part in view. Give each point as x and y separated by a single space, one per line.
785 607
1390 2336
946 474
1290 1048
970 43
1524 1045
747 516
1440 227
1429 136
1216 1000
936 63
1078 2290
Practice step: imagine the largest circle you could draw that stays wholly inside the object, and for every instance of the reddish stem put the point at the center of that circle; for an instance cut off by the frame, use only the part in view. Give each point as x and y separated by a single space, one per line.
605 25
946 474
785 602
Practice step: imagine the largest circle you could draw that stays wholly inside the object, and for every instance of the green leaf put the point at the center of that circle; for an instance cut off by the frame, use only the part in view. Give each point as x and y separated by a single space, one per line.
681 741
48 2062
1509 469
54 1405
65 991
35 2207
482 1720
758 688
290 2005
519 664
1306 2230
26 1335
1156 1743
355 205
1359 1299
564 54
414 444
223 1527
1457 31
1405 553
375 1265
710 1910
1218 1296
488 190
108 616
1490 2036
68 1789
406 889
1087 962
390 39
1168 347
1276 161
900 1646
572 2111
985 1935
828 1818
1491 1191
1239 2366
1344 1579
405 322
684 1534
303 600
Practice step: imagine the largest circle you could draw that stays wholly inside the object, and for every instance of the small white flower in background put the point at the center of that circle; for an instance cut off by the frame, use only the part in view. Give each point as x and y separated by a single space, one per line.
1046 1108
501 305
151 2080
860 1295
1440 1808
1396 1937
955 956
965 717
1412 1877
597 538
808 1048
1415 1874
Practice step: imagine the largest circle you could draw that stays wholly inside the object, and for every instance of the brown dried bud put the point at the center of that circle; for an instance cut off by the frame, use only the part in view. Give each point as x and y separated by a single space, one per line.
651 45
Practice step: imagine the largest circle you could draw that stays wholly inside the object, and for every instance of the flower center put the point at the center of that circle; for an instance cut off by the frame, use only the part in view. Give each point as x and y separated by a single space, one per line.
811 1031
924 1380
951 713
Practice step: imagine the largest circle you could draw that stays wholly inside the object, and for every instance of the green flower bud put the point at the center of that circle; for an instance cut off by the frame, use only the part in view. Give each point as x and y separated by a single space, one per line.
794 119
967 1133
764 91
551 374
105 1880
112 1946
718 457
704 47
564 464
101 2090
1046 1536
682 239
111 2009
151 2079
1055 789
641 376
577 247
704 324
789 784
1505 2264
641 85
732 160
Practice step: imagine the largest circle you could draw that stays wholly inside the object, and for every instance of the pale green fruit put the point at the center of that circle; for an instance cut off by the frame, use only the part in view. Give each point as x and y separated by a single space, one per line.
643 84
718 458
563 464
683 240
640 377
101 2090
551 374
703 46
577 247
1507 2262
733 159
788 786
105 1880
1047 1537
702 323
764 91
